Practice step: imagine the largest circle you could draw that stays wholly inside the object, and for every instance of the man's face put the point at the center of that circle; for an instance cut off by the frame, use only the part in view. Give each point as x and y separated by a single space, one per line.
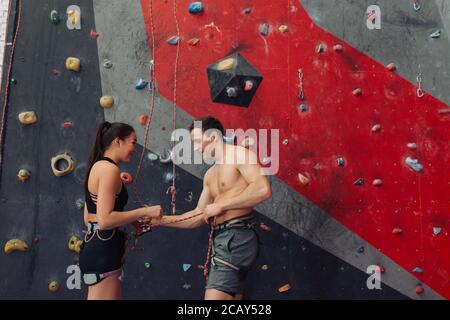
200 140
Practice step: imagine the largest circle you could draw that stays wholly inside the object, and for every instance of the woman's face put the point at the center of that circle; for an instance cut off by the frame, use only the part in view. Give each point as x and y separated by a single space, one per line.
128 147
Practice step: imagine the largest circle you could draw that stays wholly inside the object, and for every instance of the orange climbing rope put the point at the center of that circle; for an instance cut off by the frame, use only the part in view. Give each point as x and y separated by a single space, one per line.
8 78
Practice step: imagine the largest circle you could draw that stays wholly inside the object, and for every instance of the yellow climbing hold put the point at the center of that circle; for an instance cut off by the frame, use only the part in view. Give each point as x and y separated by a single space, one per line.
106 102
73 64
23 175
53 286
67 170
226 64
28 117
15 245
75 244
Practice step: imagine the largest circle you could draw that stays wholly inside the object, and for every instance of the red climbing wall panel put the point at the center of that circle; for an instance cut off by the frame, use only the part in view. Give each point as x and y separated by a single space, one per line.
338 124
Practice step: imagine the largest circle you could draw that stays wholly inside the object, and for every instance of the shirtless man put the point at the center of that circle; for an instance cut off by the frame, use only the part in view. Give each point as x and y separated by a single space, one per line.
231 188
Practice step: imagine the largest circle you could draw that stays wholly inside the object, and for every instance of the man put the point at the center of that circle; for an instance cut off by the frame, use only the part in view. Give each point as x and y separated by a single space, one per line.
231 188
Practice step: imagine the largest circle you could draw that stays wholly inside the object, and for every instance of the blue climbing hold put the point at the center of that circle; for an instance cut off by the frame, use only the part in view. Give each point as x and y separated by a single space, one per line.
436 230
186 266
195 7
173 40
417 270
141 84
414 164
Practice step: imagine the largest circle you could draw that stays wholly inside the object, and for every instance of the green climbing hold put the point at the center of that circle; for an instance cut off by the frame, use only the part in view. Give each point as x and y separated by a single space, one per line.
186 267
79 204
147 265
54 17
13 81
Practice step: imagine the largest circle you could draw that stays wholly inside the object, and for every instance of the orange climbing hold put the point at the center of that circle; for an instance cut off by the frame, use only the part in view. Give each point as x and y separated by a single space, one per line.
143 119
94 34
419 289
126 177
284 288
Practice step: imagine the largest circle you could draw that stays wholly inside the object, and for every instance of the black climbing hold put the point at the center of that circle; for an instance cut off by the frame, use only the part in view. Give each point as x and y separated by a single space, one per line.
360 249
303 108
247 10
232 72
341 162
359 182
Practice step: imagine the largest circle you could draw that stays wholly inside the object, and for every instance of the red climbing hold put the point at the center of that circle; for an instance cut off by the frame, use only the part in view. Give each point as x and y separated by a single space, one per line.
94 34
193 42
265 227
126 177
381 269
357 92
67 125
143 119
338 48
419 289
397 231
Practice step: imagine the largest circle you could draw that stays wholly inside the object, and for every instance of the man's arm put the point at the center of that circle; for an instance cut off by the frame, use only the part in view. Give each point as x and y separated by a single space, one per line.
257 191
203 201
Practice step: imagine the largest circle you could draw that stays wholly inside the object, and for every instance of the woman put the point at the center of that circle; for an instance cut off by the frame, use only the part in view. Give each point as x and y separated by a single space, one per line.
106 196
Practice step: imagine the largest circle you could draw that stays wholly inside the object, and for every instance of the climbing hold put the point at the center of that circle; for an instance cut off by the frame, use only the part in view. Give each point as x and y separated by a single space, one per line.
196 7
13 81
284 288
232 92
147 265
377 182
304 180
436 34
359 182
418 270
73 64
58 160
67 124
397 231
320 48
419 290
303 108
193 42
15 245
380 269
444 111
143 119
248 85
74 244
247 142
79 203
28 117
338 48
283 28
106 102
186 266
264 267
141 84
391 67
35 239
376 128
412 146
23 175
416 5
436 230
361 249
264 29
357 92
232 71
166 157
168 177
247 10
107 64
414 164
152 157
53 286
341 162
285 141
265 227
226 64
173 40
54 17
73 17
126 177
94 34
186 286
56 72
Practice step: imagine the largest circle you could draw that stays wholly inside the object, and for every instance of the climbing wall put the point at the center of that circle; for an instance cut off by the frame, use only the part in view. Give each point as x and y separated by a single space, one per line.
363 153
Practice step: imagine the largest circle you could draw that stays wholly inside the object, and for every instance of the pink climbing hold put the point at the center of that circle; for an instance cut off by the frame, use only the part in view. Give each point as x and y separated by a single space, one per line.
338 48
248 86
376 128
377 182
391 67
381 269
94 34
397 231
357 92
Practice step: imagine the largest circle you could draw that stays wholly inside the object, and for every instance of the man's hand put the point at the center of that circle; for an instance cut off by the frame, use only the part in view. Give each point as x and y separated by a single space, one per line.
212 210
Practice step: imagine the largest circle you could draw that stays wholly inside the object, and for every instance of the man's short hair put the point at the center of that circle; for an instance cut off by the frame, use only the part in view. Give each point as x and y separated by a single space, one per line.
208 122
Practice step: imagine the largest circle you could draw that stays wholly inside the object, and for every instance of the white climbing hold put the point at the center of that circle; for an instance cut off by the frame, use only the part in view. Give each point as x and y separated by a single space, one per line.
412 146
414 164
73 17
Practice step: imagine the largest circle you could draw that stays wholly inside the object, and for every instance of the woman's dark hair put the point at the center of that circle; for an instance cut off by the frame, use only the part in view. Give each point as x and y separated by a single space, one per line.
105 135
